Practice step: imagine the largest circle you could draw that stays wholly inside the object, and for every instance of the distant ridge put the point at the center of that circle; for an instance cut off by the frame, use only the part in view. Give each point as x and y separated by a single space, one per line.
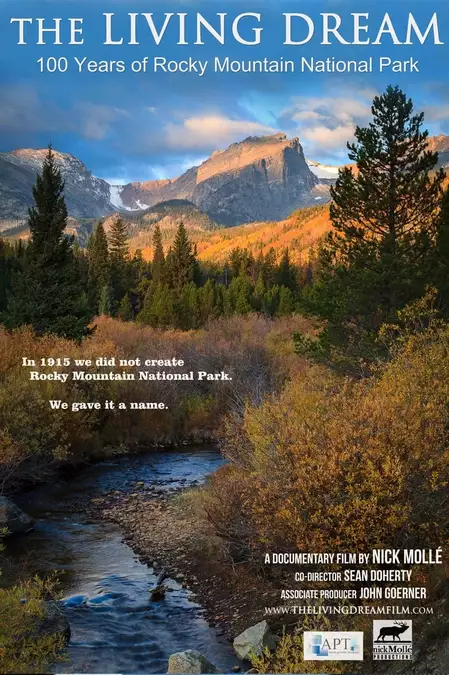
259 179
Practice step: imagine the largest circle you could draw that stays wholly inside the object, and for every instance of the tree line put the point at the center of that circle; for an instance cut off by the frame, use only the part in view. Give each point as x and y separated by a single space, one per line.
388 243
55 286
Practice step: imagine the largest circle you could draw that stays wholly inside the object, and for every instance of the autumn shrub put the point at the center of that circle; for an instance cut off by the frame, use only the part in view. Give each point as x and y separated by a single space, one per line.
22 648
34 439
225 504
335 464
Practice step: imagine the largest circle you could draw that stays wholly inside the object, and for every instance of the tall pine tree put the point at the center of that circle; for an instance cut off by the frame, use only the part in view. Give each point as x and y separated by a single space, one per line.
118 242
99 265
182 261
286 275
47 292
158 266
119 257
384 217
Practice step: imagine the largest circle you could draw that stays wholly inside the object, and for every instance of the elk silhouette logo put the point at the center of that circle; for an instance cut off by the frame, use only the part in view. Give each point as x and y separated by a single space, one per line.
392 640
394 631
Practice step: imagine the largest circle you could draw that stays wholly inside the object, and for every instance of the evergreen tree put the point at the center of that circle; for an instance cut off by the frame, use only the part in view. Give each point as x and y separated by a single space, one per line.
99 264
106 300
259 292
158 266
207 300
286 302
47 293
187 308
161 310
271 301
286 275
228 301
119 256
118 242
140 277
259 265
125 311
183 263
243 304
82 264
220 301
243 295
144 316
158 310
9 265
384 217
269 268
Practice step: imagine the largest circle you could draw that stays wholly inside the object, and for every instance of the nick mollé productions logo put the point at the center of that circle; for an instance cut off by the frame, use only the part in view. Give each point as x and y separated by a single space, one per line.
392 641
333 646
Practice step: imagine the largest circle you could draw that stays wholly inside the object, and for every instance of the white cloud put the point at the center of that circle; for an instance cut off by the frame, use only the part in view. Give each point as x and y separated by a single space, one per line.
213 131
330 139
327 123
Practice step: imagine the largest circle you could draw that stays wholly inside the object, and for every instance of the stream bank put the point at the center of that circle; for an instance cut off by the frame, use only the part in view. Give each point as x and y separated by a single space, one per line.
114 625
165 534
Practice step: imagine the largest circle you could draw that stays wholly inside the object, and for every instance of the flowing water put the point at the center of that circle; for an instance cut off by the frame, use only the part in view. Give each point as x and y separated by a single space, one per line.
115 628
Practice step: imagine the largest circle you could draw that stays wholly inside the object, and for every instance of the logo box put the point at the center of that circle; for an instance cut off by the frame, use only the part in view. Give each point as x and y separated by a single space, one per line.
333 646
392 640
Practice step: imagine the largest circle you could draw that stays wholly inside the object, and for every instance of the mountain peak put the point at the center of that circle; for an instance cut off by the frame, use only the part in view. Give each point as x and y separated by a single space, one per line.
40 153
259 178
278 137
252 150
86 196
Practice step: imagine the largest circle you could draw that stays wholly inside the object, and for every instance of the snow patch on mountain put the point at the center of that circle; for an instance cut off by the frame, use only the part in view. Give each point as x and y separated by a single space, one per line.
115 197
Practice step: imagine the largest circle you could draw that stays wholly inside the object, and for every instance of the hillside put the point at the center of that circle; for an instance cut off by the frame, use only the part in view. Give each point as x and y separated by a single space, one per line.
302 230
80 229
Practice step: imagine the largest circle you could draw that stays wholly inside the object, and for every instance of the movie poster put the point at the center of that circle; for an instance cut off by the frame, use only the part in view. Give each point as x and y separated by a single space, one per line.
224 337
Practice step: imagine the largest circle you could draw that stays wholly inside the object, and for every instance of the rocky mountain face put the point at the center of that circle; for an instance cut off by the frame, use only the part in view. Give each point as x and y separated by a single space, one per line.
261 178
140 196
440 144
86 196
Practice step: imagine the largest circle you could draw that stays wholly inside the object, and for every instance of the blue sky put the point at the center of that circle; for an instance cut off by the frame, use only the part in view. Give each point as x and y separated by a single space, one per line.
127 126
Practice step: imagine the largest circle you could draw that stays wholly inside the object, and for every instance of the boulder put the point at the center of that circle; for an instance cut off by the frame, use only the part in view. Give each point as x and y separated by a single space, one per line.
12 518
254 640
52 623
189 661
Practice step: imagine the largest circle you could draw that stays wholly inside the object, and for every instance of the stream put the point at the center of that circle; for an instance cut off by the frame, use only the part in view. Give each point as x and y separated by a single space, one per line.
115 627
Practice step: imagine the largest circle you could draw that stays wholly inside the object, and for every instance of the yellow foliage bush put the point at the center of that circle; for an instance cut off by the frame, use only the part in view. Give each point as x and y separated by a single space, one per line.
334 464
34 439
21 609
